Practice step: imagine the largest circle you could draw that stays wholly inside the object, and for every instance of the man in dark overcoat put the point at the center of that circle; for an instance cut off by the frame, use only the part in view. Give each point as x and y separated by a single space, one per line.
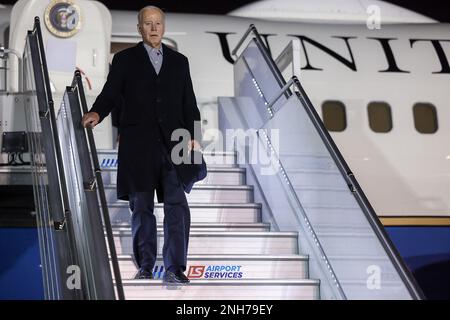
155 85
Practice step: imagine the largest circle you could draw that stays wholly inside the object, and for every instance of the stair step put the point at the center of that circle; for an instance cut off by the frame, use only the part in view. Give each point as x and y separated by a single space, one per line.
108 159
314 161
317 178
221 159
211 227
341 216
230 266
215 176
350 243
223 242
201 289
357 268
310 196
200 212
203 193
389 290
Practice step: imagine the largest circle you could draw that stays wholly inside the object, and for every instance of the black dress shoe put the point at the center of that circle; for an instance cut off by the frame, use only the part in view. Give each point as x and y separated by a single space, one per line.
143 274
175 277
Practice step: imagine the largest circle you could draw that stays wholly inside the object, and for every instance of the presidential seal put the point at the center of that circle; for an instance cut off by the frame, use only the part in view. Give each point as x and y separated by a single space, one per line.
62 18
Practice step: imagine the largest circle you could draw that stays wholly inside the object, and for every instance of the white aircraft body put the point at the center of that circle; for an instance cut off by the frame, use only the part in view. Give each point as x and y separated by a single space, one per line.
406 61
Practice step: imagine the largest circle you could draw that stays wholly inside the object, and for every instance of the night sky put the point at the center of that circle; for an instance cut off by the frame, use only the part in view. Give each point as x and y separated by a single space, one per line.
436 9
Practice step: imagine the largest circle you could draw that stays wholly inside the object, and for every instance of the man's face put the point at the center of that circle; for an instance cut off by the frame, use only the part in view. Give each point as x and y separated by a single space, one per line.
151 27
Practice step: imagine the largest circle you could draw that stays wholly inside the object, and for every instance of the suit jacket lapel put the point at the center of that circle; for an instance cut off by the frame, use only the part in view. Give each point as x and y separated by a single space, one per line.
165 63
142 54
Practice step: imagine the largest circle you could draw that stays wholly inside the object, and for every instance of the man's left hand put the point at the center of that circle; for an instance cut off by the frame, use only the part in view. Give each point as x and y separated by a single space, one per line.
194 145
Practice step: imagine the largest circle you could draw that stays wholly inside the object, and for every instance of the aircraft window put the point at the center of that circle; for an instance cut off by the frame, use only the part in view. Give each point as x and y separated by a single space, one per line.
425 118
334 117
380 117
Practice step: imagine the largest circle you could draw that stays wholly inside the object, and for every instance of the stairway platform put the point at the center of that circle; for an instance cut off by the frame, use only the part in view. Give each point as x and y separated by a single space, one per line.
216 176
203 193
119 212
230 266
251 289
211 227
223 242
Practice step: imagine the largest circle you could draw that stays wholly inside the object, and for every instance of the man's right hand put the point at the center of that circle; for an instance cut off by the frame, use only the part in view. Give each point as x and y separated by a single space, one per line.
90 119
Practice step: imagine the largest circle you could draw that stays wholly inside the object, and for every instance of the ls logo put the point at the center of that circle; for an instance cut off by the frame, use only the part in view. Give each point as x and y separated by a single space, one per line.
196 271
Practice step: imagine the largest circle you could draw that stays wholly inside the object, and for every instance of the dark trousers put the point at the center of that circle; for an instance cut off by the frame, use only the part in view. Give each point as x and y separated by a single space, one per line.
177 221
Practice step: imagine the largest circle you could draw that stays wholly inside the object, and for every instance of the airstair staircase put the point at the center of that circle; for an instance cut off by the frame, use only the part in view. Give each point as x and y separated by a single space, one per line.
247 259
306 231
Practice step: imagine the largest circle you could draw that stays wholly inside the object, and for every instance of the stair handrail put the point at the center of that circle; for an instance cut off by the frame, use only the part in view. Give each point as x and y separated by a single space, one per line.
355 188
49 114
47 111
275 71
78 83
